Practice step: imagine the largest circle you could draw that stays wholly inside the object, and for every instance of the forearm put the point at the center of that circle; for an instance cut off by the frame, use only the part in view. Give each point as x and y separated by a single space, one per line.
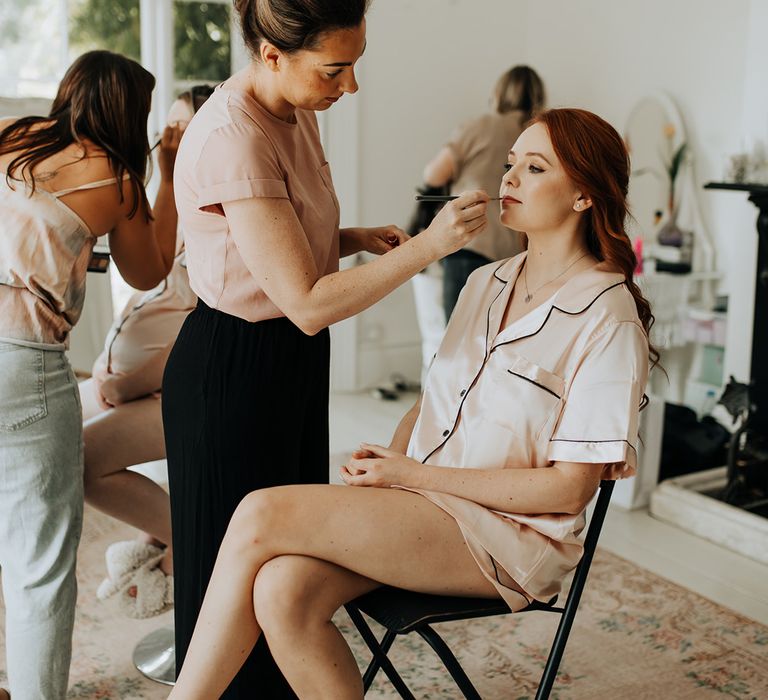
350 242
440 170
527 490
404 430
343 294
166 223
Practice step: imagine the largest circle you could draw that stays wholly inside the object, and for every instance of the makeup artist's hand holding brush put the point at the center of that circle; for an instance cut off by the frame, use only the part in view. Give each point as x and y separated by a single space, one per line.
458 222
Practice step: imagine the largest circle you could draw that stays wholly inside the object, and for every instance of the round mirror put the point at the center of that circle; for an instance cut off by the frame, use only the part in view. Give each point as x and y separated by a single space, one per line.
653 135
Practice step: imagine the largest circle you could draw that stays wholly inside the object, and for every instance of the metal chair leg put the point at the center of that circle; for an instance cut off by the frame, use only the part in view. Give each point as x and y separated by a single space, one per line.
374 666
155 656
450 661
379 655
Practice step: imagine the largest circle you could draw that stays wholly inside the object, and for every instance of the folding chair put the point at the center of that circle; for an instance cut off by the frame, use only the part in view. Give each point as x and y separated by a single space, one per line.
401 612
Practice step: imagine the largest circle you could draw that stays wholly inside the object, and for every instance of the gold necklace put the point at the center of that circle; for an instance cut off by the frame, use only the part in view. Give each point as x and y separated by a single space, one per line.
529 295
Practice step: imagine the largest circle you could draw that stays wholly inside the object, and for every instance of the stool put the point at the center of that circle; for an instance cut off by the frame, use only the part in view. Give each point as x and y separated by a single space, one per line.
155 656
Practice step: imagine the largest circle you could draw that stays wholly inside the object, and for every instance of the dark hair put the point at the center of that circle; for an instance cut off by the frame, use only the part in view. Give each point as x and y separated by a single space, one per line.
196 96
104 97
520 88
293 25
595 159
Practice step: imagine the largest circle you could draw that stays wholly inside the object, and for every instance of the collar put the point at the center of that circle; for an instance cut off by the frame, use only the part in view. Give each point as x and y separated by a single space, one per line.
577 294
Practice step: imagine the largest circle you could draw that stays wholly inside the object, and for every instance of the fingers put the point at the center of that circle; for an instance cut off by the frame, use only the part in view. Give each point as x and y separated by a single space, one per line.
395 236
352 478
362 454
105 406
378 450
470 209
171 137
471 198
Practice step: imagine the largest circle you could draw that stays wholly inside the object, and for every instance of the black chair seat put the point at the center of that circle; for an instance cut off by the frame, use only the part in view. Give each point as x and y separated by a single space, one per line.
403 611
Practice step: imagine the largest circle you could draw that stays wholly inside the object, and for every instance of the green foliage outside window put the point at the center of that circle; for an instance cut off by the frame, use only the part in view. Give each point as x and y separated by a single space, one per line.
105 24
201 34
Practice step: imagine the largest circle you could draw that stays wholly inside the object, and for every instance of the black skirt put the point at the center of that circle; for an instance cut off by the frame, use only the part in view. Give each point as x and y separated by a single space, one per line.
245 407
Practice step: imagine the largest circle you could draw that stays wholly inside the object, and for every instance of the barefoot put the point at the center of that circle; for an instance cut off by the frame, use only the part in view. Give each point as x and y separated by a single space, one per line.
146 539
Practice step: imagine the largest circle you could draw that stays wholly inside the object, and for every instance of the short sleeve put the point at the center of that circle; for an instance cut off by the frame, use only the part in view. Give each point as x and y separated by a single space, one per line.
238 162
600 417
461 144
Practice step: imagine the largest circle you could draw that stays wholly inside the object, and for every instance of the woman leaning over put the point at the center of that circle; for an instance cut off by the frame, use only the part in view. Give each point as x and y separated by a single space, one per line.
65 180
245 392
532 399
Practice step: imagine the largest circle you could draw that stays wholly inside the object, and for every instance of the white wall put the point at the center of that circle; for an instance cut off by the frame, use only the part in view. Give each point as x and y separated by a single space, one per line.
699 53
432 63
426 68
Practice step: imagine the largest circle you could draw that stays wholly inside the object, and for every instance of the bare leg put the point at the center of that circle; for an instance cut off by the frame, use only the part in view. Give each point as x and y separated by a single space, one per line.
295 598
129 434
88 400
384 535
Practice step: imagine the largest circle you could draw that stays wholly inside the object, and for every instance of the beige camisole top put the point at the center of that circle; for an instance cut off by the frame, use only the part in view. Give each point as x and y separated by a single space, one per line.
44 252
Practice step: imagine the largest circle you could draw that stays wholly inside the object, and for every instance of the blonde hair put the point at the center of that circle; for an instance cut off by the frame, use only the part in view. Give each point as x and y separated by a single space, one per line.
520 88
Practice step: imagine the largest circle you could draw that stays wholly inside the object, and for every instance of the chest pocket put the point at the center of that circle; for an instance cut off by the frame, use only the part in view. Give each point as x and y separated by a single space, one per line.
528 396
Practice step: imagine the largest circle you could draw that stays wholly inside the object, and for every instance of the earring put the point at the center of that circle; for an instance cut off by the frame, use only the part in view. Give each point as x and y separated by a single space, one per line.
577 206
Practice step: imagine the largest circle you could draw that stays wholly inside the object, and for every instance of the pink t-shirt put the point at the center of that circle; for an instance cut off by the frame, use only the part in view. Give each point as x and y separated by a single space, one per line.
235 149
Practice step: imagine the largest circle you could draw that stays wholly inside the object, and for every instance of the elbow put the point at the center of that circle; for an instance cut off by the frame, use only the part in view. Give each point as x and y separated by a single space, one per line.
143 284
580 500
308 322
432 178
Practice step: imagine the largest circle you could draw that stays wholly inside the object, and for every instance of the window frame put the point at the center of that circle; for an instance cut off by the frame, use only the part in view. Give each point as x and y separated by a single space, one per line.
157 53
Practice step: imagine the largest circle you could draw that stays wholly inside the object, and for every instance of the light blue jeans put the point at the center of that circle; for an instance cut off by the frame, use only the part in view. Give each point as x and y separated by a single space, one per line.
41 516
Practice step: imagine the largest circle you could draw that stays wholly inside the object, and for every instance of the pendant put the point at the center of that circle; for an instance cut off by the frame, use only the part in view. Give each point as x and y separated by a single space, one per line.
528 298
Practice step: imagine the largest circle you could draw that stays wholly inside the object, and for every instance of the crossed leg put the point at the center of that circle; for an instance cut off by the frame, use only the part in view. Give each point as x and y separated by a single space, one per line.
292 556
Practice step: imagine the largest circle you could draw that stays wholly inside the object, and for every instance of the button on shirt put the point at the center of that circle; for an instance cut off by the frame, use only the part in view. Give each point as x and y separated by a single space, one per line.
562 383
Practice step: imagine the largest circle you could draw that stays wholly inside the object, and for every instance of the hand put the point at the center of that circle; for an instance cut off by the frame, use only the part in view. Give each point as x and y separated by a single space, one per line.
382 239
458 222
169 145
108 389
373 465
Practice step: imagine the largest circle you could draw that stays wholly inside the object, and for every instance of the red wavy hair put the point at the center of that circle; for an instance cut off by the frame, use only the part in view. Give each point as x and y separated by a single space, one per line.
596 160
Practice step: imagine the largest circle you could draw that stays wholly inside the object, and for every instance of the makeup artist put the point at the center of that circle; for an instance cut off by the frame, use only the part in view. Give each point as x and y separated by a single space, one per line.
245 391
470 160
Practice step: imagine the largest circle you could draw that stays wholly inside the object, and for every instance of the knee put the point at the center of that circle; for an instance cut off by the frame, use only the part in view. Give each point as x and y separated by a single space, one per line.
283 596
255 520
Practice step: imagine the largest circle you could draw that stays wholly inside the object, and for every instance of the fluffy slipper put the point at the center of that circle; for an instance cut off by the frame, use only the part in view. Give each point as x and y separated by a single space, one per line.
126 557
145 592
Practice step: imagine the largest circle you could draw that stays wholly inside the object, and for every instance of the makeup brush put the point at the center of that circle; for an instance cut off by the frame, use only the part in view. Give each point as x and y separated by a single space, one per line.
446 198
159 141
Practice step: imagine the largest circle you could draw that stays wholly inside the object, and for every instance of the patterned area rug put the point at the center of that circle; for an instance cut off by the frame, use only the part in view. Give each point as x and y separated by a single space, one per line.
636 636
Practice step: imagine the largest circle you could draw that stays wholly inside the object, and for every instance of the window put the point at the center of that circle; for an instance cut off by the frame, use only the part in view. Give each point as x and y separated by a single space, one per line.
105 24
202 50
33 47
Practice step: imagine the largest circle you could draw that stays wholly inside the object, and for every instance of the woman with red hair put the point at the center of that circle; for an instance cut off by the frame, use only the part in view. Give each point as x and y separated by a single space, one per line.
532 399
